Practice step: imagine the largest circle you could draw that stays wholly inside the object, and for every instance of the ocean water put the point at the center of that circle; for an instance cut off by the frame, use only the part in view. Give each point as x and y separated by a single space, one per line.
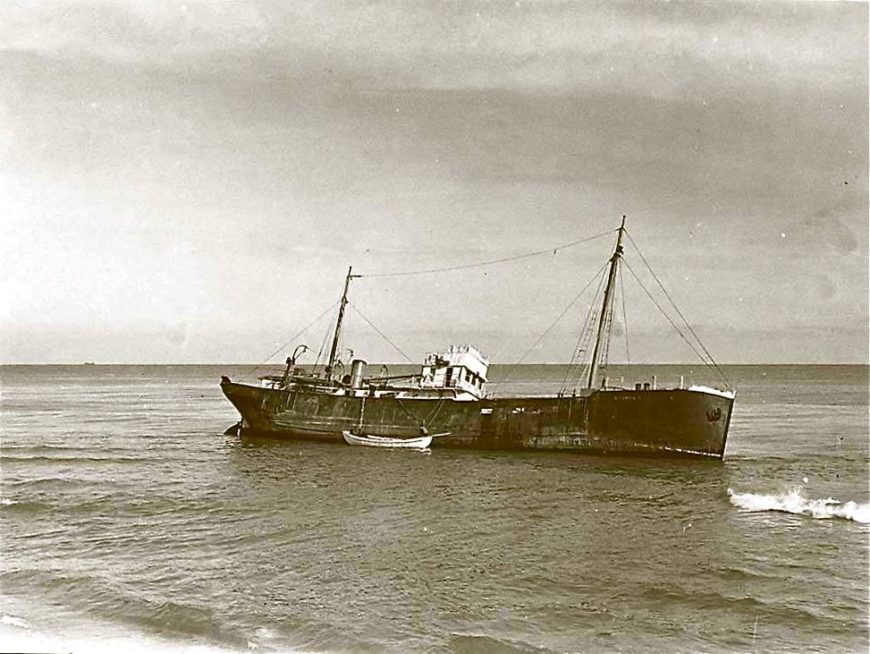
130 522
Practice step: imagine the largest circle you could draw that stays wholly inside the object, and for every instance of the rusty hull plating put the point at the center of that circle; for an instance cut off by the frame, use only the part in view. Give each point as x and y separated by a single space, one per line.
668 422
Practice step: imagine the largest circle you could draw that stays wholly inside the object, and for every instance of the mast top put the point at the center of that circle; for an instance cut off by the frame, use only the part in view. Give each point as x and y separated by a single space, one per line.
620 233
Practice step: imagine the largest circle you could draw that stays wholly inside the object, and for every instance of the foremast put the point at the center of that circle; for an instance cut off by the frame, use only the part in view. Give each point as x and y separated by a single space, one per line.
604 319
333 352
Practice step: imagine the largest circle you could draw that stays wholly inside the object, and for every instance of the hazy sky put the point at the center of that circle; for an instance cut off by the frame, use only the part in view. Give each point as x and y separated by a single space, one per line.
188 181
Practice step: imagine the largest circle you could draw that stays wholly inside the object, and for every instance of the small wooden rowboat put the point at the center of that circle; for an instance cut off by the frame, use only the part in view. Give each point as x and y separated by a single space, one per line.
418 443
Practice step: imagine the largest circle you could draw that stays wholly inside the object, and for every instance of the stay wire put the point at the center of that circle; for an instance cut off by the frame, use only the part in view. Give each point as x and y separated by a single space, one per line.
532 297
323 344
624 317
380 333
297 335
585 335
492 261
608 329
669 319
677 309
553 324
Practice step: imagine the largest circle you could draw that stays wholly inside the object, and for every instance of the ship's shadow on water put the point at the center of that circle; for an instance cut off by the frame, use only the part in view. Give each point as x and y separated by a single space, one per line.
642 466
513 479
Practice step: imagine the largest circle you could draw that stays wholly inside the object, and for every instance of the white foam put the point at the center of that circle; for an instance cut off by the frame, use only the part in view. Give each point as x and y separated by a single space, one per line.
17 635
14 622
265 633
712 391
7 502
795 502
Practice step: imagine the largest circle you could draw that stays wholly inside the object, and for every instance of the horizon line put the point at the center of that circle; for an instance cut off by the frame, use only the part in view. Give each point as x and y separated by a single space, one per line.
397 363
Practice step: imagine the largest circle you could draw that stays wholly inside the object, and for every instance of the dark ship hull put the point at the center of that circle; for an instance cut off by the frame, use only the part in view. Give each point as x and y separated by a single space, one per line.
448 397
667 422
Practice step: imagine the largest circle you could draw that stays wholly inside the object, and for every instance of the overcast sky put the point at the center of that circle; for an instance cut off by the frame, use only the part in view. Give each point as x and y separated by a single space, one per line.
188 181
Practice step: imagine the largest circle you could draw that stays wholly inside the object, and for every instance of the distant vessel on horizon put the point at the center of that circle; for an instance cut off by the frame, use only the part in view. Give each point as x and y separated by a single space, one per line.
449 395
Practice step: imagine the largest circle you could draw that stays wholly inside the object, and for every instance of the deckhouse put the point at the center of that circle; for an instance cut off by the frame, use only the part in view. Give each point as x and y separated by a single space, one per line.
462 367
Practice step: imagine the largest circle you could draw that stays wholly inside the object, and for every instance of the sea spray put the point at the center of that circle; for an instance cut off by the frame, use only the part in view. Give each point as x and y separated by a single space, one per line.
15 622
795 502
17 635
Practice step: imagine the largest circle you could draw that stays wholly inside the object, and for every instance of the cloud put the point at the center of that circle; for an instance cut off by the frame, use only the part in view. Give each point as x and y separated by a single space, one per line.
249 152
826 228
663 48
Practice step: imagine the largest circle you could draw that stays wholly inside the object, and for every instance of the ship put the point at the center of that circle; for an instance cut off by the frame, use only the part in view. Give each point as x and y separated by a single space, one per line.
449 396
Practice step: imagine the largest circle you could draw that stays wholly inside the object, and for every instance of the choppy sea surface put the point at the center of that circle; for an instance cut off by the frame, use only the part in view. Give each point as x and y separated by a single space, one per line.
130 522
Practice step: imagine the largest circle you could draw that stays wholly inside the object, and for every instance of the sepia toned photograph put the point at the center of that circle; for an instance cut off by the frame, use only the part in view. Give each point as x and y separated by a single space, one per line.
428 326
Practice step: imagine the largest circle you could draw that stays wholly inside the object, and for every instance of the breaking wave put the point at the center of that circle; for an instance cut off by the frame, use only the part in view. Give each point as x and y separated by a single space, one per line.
795 502
15 622
17 635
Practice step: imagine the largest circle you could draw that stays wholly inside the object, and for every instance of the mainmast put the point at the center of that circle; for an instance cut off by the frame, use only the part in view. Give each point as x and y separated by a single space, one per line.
334 350
606 306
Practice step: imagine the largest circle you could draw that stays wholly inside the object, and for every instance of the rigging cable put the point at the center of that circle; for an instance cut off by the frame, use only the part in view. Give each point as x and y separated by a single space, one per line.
380 333
305 329
584 338
325 341
608 329
624 318
536 294
553 324
493 261
673 324
677 309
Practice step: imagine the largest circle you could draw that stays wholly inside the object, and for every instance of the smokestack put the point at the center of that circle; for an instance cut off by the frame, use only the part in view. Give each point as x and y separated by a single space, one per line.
357 368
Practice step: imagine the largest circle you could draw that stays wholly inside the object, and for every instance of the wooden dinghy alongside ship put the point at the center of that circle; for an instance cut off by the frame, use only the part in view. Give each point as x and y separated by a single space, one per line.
417 443
448 395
